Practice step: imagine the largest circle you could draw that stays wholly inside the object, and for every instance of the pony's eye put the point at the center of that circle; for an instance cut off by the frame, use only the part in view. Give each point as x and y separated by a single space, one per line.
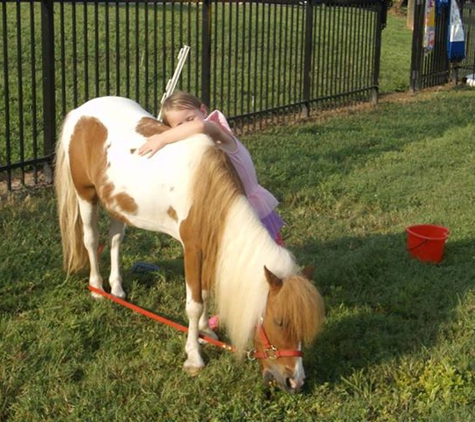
279 322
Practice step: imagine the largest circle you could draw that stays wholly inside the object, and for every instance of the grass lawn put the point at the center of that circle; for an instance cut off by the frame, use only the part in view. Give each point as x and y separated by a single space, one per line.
396 46
399 343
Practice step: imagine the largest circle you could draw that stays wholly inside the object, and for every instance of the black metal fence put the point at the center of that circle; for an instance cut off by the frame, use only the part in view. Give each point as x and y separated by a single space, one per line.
260 62
468 17
432 68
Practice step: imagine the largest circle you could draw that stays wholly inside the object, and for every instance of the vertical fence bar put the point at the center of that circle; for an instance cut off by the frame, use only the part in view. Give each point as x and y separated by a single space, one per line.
377 52
118 50
75 54
307 61
417 55
19 61
107 47
85 50
63 58
205 54
34 105
145 57
229 43
97 61
7 95
49 100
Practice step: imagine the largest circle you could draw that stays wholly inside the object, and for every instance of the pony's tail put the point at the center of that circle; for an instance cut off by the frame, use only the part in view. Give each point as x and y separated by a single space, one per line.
75 255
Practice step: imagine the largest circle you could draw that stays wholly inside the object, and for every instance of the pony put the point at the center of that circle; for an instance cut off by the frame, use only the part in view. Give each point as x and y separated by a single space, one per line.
190 191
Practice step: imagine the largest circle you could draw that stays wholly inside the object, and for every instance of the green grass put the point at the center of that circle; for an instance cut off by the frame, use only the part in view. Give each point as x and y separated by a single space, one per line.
396 47
399 343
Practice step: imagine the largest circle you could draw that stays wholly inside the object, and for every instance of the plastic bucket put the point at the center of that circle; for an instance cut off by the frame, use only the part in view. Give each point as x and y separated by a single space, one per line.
426 242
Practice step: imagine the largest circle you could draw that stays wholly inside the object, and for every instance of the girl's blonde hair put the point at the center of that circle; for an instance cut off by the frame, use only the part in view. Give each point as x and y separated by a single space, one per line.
179 100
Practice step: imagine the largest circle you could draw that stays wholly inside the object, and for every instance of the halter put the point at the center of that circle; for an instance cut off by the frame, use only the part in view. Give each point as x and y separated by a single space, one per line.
270 352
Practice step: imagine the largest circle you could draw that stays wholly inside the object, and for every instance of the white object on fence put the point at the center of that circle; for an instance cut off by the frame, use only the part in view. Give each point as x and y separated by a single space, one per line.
171 84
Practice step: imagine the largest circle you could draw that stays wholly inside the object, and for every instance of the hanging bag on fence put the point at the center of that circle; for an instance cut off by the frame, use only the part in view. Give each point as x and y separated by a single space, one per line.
456 37
429 26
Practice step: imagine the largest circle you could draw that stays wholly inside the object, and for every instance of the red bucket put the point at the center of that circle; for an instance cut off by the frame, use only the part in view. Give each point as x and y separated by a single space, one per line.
426 242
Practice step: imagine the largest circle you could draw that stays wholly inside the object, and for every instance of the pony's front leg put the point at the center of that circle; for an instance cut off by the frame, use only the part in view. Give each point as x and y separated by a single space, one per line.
89 215
116 235
194 310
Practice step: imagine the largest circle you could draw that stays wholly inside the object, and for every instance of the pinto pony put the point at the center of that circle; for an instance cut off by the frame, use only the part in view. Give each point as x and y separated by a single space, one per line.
190 191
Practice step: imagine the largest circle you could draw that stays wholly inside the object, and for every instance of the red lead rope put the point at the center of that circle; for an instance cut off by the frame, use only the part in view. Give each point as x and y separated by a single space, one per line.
269 352
159 318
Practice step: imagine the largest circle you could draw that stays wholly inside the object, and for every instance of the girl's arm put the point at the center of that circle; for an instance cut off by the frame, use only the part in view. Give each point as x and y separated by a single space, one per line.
220 136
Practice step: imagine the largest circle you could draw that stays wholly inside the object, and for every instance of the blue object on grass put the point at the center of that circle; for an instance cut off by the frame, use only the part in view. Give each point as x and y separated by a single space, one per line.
144 267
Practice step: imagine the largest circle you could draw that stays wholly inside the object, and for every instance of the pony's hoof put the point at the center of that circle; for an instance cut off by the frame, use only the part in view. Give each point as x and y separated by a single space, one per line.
118 293
96 296
192 370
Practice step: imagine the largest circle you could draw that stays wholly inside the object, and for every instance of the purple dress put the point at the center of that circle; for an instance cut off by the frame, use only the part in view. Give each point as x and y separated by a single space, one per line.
263 202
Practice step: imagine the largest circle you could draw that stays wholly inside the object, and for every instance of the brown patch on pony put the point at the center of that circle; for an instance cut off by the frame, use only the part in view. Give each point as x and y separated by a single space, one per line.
148 126
216 186
299 307
88 162
126 203
172 213
87 156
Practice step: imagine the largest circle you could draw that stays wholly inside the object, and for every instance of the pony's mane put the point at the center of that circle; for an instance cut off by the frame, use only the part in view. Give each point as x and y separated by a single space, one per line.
241 288
301 308
216 187
235 247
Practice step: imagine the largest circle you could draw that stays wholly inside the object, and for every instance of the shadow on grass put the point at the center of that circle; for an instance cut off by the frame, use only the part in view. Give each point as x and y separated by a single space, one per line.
381 304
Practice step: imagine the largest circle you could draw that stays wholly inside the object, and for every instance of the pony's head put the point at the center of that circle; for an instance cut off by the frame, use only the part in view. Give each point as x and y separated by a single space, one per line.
294 315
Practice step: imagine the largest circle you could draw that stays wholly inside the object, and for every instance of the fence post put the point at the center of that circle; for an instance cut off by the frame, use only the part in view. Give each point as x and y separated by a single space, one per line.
381 20
417 38
49 100
206 54
307 62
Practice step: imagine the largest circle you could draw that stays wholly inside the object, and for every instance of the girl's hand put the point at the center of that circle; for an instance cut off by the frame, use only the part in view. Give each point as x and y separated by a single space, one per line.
153 144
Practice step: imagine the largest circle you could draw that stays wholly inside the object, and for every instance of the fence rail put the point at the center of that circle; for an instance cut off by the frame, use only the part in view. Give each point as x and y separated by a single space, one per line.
260 62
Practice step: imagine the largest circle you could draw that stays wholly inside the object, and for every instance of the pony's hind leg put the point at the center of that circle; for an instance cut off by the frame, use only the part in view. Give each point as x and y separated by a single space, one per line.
116 235
89 215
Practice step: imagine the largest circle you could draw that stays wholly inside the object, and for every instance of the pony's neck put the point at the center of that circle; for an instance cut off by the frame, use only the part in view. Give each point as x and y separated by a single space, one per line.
241 287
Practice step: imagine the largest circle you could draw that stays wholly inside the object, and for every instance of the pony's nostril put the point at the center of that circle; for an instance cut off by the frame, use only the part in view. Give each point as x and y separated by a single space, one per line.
293 384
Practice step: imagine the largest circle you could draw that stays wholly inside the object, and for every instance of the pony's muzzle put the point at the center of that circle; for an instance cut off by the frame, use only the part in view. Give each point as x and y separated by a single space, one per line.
288 384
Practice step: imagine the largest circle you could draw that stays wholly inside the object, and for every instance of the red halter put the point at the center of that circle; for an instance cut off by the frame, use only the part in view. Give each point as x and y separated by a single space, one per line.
270 352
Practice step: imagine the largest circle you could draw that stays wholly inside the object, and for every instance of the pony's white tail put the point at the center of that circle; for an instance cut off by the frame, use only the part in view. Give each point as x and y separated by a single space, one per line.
75 255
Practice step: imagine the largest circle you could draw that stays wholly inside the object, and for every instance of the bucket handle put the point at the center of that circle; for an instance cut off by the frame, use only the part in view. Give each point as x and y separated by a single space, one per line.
419 245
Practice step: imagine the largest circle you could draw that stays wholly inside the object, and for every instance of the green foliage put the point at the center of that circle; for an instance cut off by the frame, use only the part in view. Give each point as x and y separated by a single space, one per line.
399 343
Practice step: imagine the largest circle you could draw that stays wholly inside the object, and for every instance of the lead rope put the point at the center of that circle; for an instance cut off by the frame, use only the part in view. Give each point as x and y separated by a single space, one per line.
159 318
269 352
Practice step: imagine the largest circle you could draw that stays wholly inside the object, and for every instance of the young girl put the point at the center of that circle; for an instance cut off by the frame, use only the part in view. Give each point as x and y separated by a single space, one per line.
187 116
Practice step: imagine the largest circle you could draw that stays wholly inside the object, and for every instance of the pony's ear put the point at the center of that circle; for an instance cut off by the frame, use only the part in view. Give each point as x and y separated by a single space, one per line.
275 282
308 272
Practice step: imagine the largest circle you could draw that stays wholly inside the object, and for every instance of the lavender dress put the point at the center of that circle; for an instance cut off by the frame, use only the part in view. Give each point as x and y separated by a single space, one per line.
263 202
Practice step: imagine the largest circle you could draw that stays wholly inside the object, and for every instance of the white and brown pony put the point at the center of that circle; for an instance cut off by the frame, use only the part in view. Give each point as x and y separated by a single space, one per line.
190 191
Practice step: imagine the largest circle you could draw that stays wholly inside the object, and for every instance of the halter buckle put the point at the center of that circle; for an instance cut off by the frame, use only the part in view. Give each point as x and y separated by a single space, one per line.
271 353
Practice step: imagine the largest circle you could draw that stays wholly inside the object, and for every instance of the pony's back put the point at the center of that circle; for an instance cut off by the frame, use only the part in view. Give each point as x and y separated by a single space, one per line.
103 136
